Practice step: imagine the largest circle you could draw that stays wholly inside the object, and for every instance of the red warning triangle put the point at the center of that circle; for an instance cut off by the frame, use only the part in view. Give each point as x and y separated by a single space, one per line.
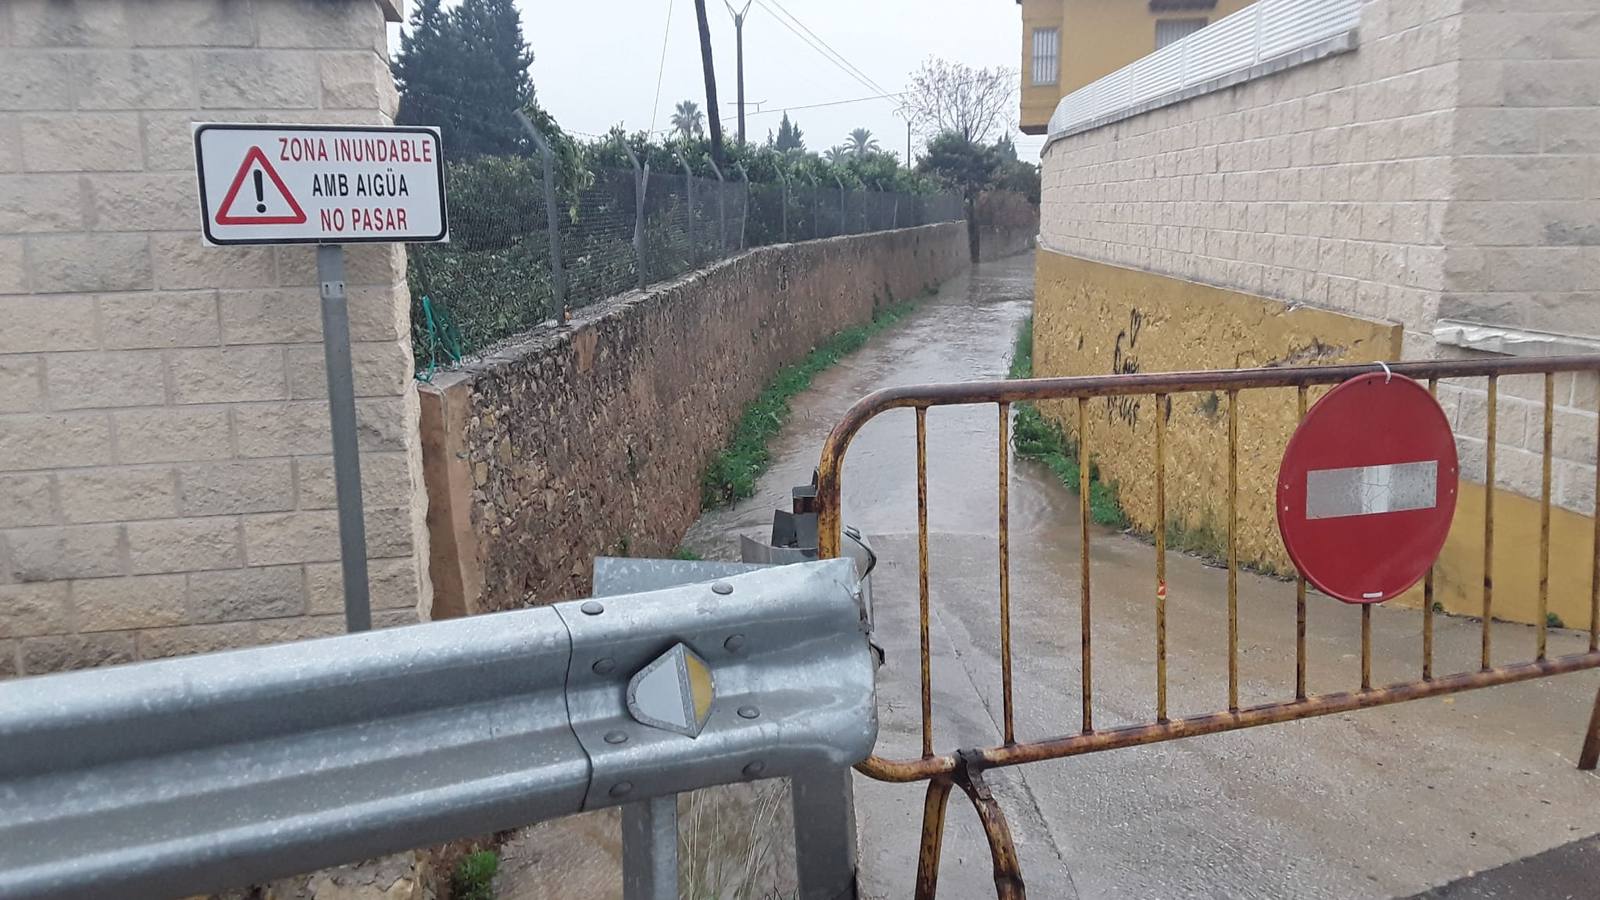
255 211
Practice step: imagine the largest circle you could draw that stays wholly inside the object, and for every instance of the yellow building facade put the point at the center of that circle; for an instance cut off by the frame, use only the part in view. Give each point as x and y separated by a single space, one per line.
1068 43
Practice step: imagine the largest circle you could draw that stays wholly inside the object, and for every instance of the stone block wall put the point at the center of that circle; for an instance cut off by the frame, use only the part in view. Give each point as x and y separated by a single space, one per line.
591 439
165 479
1447 167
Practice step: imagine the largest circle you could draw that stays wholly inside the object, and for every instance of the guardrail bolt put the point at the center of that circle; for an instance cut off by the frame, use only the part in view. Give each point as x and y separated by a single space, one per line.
592 607
748 712
604 666
621 788
755 769
721 587
734 643
616 737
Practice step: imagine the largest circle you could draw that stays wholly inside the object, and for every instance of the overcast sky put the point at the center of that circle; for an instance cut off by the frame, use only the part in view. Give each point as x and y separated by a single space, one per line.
596 62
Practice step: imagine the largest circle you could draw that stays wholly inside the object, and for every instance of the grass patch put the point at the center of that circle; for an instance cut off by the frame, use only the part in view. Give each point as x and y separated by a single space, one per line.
1040 439
686 554
473 878
732 474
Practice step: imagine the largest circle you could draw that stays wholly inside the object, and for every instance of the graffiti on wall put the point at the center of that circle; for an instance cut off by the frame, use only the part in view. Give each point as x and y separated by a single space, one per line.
1124 362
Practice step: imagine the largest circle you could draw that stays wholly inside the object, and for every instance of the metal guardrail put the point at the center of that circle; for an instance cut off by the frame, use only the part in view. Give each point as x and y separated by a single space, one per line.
964 767
203 773
1262 32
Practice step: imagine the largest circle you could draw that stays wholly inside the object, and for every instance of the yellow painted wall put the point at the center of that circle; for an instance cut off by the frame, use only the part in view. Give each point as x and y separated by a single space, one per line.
1458 576
1095 319
1098 37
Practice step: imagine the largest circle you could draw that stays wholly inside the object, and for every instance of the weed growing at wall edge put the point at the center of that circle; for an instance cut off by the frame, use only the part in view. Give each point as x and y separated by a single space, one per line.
732 474
473 878
1038 438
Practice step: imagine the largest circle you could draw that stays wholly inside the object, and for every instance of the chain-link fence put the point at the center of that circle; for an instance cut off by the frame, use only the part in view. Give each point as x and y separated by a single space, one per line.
521 254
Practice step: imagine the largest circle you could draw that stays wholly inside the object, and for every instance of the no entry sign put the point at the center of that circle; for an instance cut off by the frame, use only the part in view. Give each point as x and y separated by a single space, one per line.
1367 488
323 184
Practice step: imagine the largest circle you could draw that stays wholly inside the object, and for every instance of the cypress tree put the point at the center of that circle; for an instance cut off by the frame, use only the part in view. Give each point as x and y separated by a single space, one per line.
467 72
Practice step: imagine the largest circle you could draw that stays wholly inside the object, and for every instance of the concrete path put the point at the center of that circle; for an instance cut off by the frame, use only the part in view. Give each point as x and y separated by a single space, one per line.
1381 803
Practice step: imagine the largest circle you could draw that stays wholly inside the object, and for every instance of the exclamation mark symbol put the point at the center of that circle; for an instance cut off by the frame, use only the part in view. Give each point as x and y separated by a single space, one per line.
261 205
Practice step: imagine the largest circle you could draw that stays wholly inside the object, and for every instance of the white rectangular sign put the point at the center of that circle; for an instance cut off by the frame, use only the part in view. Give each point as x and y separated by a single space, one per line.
319 184
1371 490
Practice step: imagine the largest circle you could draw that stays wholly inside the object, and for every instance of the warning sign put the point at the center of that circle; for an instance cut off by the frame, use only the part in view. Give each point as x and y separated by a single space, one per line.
319 184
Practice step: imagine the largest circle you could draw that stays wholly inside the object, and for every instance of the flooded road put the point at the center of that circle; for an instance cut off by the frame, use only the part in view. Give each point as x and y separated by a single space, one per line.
1374 804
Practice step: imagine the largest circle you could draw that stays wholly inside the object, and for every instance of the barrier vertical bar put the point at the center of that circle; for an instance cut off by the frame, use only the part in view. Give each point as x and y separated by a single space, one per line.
1427 589
1161 557
650 849
1300 590
1594 572
1005 573
1488 518
922 579
1233 551
1083 589
1544 514
1366 646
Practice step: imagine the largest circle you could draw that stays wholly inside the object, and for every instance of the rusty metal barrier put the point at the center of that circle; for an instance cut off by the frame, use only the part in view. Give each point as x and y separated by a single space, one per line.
965 768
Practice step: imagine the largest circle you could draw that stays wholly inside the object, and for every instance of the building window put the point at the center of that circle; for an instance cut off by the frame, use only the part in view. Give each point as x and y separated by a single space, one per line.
1046 55
1171 31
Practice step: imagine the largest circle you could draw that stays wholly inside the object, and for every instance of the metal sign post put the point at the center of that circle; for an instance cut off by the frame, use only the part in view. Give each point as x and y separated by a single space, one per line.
346 454
330 186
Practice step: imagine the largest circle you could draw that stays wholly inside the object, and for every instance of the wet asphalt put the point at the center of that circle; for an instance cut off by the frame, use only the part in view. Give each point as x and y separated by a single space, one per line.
1380 803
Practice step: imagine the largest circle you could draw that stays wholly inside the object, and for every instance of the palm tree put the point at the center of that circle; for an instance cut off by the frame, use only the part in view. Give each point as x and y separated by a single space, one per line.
836 154
861 143
687 119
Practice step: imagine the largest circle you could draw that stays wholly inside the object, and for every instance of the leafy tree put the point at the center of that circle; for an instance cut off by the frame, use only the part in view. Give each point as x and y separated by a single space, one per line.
861 142
467 72
976 104
789 137
836 154
966 165
688 120
1014 174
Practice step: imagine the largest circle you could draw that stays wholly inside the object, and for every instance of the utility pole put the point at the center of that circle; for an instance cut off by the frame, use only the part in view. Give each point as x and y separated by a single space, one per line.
712 118
738 37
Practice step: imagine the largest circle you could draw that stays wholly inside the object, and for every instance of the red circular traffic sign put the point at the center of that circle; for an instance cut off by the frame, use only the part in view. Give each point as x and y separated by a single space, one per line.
1367 488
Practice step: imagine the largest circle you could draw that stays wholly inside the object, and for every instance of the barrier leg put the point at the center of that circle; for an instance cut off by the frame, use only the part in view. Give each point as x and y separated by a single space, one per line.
932 838
1007 867
825 834
1591 739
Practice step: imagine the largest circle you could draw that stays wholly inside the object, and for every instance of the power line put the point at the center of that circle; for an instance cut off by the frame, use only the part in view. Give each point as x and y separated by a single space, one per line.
842 64
769 112
853 67
662 68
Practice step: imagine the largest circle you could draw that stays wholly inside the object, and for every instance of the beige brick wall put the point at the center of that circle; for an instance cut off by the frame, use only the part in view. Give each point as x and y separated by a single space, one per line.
1448 167
165 478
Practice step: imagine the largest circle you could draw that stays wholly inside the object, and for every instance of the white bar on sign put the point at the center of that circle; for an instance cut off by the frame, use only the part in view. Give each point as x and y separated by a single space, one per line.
1371 490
